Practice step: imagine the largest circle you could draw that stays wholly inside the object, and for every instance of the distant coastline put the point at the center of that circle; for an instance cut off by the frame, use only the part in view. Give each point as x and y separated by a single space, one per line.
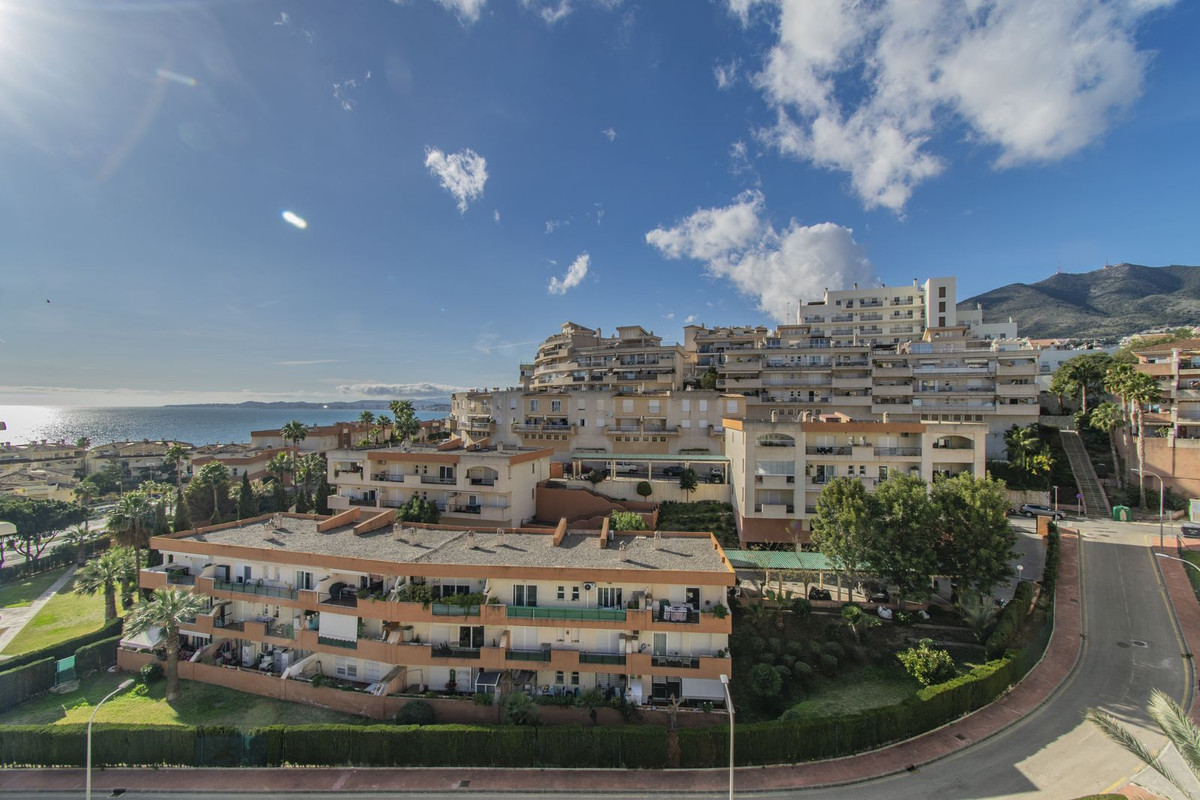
418 405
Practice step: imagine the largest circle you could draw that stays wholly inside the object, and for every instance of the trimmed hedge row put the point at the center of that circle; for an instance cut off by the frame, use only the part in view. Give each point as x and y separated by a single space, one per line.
59 557
1008 628
19 684
112 744
96 656
67 648
1050 572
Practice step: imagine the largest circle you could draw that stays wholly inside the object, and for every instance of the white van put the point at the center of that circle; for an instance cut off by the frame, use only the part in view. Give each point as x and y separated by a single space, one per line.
627 468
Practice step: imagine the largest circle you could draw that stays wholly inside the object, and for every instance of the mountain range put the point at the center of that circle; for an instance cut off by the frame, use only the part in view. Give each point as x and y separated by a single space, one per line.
1106 303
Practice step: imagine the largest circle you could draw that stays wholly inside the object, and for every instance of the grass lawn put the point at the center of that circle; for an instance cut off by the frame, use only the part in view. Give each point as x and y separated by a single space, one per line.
201 704
24 591
857 690
64 616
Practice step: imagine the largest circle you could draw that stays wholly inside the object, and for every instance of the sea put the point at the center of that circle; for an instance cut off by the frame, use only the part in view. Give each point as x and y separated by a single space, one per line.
196 425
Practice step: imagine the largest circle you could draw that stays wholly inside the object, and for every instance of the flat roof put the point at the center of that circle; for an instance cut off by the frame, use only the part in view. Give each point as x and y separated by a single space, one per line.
443 546
775 559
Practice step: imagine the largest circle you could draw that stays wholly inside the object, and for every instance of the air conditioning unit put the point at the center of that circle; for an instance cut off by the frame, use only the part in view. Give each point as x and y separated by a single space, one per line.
587 587
380 461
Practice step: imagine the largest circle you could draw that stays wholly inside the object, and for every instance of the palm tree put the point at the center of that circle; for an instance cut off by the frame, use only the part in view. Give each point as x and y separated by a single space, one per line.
77 537
102 575
1137 390
1174 723
1107 417
83 443
166 609
366 418
294 432
214 475
310 469
1022 444
382 422
86 492
175 456
405 424
130 522
279 466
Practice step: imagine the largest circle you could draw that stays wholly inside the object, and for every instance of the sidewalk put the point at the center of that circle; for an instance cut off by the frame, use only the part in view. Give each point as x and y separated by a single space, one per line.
1037 687
13 620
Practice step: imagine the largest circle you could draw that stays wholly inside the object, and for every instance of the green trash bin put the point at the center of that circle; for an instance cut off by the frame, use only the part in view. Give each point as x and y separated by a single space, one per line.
1122 513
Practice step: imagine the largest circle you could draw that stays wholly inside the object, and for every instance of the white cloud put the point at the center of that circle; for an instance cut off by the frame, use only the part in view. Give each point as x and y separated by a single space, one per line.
867 88
554 224
575 275
611 133
775 267
550 11
467 11
412 390
463 174
670 315
689 319
727 74
305 363
496 215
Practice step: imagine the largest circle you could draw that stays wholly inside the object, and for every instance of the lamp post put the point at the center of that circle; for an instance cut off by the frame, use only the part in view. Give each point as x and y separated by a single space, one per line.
1180 560
729 708
1160 501
1056 497
88 780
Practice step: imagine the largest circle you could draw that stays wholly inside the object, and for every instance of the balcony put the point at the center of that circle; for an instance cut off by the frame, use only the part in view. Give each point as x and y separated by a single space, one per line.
612 659
897 451
255 588
774 510
542 655
455 652
676 662
483 481
434 480
538 612
454 610
827 451
387 477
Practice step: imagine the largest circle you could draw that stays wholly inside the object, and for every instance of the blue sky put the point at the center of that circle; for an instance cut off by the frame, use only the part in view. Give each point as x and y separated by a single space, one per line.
473 173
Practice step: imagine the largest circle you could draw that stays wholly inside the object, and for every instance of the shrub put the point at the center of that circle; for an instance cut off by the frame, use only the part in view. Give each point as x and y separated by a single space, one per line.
645 488
834 649
20 684
764 682
482 699
829 664
626 521
801 606
833 632
149 673
852 613
927 664
416 712
776 644
519 709
766 657
803 673
96 656
318 681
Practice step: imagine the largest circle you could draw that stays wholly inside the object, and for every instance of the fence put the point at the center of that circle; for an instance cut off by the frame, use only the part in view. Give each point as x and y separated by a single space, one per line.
60 556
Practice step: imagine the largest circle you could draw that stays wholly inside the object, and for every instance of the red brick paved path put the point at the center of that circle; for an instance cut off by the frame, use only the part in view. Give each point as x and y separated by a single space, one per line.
1058 662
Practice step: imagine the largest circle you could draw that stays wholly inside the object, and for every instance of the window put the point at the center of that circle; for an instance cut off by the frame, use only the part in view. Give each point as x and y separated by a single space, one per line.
558 677
703 423
609 597
556 405
581 404
562 593
942 307
703 405
470 636
599 403
685 405
731 406
685 423
304 580
346 667
941 322
941 291
654 405
574 678
627 406
575 593
533 405
524 595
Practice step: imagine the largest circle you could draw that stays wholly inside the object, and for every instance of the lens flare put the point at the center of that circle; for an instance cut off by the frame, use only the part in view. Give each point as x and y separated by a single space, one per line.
292 218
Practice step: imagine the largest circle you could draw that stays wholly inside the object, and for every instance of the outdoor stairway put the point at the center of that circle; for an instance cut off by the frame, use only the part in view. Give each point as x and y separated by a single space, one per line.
1085 477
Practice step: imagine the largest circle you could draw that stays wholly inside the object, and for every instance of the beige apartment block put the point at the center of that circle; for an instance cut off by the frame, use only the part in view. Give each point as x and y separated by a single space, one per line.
55 455
38 481
1172 425
779 466
145 459
239 459
370 603
582 358
489 485
319 438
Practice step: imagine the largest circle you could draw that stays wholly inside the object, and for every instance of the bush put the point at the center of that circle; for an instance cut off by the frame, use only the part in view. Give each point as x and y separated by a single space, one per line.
801 607
927 664
97 656
626 521
1008 627
149 673
764 682
416 712
834 649
519 709
483 699
24 682
829 664
645 488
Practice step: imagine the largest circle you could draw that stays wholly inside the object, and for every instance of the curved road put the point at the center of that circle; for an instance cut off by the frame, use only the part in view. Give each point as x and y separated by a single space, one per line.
1130 647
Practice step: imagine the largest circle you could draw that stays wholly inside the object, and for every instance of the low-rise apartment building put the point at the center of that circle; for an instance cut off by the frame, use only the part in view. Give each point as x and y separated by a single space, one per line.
397 608
582 358
146 460
778 466
239 459
59 456
1173 425
318 438
470 484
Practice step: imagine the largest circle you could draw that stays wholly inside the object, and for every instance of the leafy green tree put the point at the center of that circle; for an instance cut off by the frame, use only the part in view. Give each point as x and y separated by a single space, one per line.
83 443
102 575
594 477
688 481
303 502
764 682
279 497
214 477
1175 724
323 492
247 507
85 492
1107 417
645 489
928 664
405 424
36 521
626 521
183 517
902 547
106 481
1081 375
975 543
166 610
416 509
1023 444
175 456
709 379
841 529
519 709
162 522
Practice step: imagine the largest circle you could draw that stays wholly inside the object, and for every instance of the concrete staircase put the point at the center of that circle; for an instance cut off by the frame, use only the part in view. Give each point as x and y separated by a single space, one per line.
1085 476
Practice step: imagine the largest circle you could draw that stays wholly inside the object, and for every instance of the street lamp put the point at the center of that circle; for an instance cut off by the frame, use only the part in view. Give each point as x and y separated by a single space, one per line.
1180 560
729 708
124 685
1160 502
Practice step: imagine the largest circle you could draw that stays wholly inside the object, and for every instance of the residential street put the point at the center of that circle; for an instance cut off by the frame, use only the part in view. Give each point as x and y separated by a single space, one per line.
1130 647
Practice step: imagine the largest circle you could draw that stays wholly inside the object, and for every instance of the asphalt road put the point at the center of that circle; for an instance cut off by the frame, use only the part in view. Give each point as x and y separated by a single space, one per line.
1130 647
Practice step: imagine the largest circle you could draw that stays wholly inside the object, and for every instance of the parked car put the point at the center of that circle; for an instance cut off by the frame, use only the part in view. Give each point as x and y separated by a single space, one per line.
627 468
1190 530
672 471
819 594
1034 510
716 475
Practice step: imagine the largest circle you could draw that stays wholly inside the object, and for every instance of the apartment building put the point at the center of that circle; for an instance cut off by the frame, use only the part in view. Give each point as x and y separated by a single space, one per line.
397 608
59 456
881 315
146 460
778 466
239 459
40 481
582 358
471 484
318 438
1173 425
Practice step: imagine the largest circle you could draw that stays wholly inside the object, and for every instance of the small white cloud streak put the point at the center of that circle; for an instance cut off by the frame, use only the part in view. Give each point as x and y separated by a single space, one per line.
554 224
610 133
575 275
726 74
868 88
496 215
413 390
775 267
294 219
550 11
305 363
463 174
689 319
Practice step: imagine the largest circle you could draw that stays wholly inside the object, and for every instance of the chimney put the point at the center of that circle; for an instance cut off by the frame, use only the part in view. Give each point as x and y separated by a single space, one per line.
774 415
470 540
500 536
658 540
398 533
622 554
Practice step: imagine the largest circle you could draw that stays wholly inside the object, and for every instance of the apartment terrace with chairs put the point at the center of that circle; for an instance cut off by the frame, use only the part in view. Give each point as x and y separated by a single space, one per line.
391 607
470 483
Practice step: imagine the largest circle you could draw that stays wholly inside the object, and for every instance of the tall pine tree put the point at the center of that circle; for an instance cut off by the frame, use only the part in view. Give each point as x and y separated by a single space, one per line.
279 498
183 517
323 492
247 507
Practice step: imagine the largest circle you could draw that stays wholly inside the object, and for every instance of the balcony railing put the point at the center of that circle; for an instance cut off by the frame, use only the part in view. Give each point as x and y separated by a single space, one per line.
455 652
537 612
897 451
827 451
453 610
528 655
467 509
676 662
329 641
483 481
602 658
284 631
437 481
255 588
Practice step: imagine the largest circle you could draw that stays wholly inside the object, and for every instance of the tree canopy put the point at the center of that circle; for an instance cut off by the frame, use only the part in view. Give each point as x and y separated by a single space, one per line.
36 521
975 541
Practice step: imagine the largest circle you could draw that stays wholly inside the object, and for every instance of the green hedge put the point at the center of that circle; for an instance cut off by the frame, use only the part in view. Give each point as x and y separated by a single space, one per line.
96 656
112 745
67 648
26 681
55 559
1008 627
1050 572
